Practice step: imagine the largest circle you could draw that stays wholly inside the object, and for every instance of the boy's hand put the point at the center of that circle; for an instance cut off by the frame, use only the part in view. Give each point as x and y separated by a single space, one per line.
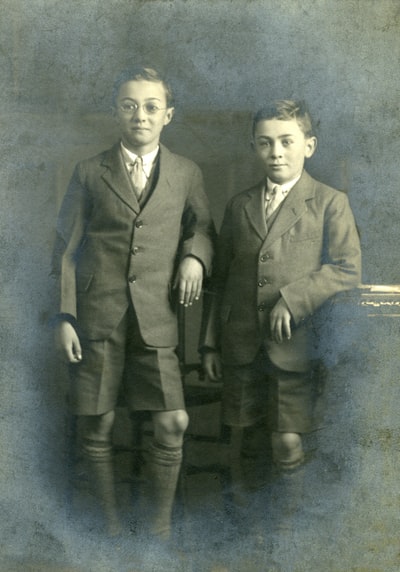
280 321
67 343
189 279
212 365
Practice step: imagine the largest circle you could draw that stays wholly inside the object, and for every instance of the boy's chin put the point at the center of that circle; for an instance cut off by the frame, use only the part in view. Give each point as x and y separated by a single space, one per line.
280 177
275 178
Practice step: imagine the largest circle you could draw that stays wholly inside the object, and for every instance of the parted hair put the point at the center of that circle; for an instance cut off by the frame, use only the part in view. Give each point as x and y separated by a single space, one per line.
286 109
144 74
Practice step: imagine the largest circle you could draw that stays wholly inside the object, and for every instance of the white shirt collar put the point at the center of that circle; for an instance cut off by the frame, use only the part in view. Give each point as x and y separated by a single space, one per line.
148 159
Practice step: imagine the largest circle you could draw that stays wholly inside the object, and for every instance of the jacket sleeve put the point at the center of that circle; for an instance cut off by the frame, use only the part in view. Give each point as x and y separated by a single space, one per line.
198 232
340 268
70 232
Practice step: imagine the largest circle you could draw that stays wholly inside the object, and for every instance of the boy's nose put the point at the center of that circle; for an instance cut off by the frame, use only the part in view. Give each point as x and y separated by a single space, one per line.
139 114
276 151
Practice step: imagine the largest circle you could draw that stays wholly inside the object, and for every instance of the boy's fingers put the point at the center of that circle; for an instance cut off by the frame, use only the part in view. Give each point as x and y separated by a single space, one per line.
214 369
218 371
210 373
193 291
278 331
182 291
188 294
197 293
211 365
189 290
70 356
273 328
214 375
78 352
287 328
196 290
207 367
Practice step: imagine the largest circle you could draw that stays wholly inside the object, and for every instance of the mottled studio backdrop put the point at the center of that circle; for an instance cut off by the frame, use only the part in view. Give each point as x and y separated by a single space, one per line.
58 60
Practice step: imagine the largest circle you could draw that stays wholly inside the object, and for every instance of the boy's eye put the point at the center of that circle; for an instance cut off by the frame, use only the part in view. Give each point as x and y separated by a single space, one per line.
151 107
132 107
286 142
128 107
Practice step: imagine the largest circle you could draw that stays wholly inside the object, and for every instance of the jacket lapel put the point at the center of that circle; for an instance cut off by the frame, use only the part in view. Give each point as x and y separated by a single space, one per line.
293 208
117 177
163 188
255 210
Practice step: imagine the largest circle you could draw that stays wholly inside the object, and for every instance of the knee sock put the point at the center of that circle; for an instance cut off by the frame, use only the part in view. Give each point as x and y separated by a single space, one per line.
251 481
250 469
255 457
286 495
98 455
163 467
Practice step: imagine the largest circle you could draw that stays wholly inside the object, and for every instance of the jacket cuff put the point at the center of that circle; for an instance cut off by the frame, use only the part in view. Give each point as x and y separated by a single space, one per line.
207 350
58 318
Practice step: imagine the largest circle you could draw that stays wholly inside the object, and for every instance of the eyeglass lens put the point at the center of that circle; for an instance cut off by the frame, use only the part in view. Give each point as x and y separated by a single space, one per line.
149 108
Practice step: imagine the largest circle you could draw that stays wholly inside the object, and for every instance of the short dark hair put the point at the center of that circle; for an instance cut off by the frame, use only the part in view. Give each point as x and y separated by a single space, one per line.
144 74
286 109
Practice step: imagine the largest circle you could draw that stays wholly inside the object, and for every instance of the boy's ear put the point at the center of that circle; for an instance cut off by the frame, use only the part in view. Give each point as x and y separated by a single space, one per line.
169 115
311 145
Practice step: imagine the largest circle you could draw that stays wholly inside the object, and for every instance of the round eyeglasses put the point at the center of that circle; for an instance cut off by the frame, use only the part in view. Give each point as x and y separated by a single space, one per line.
132 107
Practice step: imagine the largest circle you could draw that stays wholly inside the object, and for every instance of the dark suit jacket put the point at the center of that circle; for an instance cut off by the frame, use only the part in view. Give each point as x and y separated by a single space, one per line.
311 253
110 251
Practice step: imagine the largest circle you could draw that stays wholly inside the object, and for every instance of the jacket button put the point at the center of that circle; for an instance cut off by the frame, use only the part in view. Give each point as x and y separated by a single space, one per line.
261 307
132 278
139 224
135 250
264 257
263 282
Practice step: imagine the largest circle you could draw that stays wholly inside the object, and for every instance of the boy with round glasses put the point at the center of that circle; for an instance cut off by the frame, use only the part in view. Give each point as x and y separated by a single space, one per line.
134 227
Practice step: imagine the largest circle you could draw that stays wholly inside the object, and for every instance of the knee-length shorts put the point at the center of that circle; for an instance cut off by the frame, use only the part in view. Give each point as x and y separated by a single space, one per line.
261 391
148 378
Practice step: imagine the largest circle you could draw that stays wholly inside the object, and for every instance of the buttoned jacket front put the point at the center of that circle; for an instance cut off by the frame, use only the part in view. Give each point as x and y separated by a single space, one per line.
311 252
110 251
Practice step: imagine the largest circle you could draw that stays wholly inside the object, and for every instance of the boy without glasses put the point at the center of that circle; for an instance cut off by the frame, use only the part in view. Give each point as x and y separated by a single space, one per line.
134 225
285 247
